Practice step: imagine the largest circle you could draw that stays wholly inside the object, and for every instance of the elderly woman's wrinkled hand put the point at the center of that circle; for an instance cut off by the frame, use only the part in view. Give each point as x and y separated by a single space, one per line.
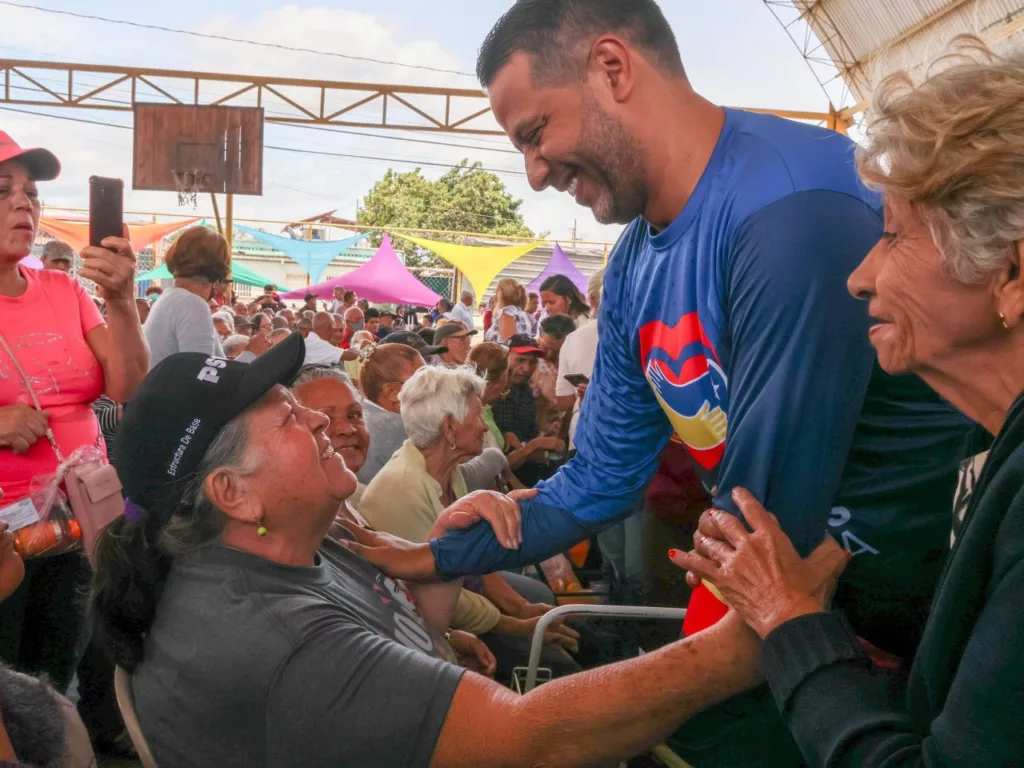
500 511
397 558
112 268
758 572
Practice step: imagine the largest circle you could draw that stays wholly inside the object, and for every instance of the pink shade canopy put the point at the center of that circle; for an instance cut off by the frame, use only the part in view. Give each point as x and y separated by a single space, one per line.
381 280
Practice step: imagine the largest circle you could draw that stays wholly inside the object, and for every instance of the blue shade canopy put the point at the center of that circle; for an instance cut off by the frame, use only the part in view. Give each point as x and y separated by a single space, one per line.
313 256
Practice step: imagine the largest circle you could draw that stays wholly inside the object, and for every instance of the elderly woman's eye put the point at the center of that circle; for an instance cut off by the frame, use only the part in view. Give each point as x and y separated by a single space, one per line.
888 235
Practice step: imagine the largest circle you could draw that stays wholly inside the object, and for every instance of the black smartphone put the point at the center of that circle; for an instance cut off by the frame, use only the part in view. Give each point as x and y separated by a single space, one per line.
576 379
106 209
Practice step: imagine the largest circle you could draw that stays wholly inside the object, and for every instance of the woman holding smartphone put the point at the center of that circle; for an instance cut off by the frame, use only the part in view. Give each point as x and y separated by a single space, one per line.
51 331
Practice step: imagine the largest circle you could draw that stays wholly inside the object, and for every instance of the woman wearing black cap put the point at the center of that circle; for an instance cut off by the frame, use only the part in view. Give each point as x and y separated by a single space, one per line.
253 639
57 355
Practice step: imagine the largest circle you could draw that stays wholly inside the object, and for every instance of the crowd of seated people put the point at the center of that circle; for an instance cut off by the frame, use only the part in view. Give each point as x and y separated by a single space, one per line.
291 476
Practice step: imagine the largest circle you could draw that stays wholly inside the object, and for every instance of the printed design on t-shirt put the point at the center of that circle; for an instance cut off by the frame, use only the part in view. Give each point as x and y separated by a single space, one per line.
686 376
42 355
970 471
409 628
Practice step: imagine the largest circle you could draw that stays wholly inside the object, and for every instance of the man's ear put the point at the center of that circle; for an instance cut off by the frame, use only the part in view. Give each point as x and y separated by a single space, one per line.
612 67
1010 289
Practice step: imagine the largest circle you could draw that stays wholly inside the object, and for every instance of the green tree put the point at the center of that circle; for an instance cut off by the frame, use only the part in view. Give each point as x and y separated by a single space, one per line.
466 199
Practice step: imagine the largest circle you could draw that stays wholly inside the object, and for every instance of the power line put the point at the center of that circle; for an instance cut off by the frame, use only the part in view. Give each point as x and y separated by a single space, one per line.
325 129
295 150
209 36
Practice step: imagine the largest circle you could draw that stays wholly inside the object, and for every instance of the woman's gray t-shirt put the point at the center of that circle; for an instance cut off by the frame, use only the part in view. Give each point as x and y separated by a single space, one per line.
253 663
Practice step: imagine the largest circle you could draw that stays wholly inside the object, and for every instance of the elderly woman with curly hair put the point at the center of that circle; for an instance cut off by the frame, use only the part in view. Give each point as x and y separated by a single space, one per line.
945 290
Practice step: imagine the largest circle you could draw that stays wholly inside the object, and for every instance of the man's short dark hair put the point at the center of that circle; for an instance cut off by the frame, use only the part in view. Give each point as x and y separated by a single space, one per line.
551 32
270 287
56 250
557 326
371 313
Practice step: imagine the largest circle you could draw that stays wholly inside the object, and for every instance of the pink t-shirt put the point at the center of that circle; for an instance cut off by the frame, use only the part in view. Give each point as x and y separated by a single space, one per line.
46 328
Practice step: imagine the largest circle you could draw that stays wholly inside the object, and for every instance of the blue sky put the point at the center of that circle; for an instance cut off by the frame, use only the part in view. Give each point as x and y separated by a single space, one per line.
735 51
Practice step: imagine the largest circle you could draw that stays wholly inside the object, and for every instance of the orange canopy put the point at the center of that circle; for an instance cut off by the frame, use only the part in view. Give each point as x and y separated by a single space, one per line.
77 234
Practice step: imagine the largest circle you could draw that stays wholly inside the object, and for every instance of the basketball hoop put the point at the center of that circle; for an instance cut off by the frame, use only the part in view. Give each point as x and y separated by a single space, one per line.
189 184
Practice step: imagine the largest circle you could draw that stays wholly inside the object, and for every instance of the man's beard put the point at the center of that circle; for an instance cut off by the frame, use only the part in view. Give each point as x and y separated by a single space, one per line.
616 159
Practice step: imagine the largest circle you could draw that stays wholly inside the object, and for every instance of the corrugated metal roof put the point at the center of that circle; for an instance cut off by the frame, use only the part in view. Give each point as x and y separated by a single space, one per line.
869 39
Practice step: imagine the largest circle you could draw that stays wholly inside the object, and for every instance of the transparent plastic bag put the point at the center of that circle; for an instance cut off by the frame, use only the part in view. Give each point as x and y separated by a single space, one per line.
58 531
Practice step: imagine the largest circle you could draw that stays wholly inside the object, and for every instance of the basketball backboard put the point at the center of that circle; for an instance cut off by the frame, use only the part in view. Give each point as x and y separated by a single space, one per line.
205 149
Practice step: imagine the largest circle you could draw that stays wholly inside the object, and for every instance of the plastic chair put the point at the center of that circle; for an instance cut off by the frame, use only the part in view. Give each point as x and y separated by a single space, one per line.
638 612
126 703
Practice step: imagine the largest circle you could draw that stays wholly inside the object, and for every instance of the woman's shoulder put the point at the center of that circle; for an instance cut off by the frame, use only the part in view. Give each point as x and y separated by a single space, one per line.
54 281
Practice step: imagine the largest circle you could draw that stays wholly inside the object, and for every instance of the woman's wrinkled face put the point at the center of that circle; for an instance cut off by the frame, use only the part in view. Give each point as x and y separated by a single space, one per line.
553 303
468 434
301 473
922 317
347 430
19 211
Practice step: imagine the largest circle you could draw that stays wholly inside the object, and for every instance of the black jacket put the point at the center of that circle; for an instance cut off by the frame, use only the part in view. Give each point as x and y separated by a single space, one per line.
963 704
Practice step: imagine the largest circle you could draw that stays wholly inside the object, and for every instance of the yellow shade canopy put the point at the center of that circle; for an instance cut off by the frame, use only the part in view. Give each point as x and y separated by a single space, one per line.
480 264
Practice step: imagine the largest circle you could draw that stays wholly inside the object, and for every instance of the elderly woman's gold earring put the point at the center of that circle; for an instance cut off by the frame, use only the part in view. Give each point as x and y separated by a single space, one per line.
1002 319
262 529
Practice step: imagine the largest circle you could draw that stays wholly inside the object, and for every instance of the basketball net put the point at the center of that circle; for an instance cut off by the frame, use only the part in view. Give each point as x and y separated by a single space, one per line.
189 184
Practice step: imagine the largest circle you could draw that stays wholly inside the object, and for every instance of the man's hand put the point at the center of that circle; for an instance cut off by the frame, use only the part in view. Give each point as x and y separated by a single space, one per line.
473 653
21 426
112 268
581 390
501 512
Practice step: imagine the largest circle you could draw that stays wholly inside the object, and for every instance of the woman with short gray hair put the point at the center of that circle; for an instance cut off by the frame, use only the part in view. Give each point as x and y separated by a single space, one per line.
442 410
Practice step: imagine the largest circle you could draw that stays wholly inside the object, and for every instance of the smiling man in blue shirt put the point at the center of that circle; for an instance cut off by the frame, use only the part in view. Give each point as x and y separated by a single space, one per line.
725 319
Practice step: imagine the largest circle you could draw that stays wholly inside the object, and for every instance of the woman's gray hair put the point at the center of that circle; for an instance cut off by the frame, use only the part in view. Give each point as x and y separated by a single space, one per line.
231 343
952 147
434 393
310 373
199 522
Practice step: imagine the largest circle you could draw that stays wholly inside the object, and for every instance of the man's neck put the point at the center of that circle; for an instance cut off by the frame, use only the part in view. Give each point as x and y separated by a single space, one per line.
678 158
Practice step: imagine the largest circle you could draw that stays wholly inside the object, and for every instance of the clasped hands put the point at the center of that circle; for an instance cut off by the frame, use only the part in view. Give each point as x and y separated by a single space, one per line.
758 572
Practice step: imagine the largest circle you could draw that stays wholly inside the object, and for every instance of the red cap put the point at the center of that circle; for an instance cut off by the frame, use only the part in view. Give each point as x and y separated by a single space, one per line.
523 345
41 163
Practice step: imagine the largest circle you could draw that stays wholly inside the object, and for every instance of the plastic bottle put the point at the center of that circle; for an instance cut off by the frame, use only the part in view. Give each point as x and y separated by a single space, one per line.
47 537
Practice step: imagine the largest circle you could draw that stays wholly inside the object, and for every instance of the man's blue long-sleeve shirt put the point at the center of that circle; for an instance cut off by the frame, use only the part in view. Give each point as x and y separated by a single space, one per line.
733 329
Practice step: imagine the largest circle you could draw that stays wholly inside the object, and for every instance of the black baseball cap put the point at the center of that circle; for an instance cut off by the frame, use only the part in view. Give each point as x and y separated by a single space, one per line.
179 408
523 345
414 340
453 328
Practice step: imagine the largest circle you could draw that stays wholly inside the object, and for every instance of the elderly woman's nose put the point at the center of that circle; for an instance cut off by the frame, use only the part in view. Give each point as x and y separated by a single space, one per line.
861 284
315 420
